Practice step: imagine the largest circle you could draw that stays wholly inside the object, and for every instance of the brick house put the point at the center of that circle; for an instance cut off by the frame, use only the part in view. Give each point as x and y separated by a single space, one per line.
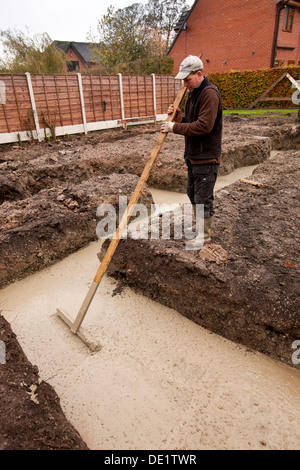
239 34
79 55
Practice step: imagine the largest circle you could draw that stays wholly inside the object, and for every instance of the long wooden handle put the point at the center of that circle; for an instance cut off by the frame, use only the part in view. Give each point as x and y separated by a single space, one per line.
137 192
126 216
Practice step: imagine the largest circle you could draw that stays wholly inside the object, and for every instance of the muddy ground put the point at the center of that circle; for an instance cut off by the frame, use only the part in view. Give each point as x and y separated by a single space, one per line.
49 194
31 417
245 284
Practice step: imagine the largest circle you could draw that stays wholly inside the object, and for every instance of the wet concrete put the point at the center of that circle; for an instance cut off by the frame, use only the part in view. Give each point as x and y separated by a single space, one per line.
160 381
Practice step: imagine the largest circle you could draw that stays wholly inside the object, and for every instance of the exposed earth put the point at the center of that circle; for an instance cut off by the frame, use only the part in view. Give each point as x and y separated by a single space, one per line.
49 194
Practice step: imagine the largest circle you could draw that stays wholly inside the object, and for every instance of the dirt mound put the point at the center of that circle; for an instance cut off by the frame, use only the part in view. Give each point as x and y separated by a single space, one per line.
25 171
40 230
31 415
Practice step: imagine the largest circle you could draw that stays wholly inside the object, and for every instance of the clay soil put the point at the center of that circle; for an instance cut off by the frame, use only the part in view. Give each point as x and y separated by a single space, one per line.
49 194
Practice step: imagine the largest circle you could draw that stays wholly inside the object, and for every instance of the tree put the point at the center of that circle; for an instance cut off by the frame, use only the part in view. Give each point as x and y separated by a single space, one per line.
122 36
162 15
136 38
35 55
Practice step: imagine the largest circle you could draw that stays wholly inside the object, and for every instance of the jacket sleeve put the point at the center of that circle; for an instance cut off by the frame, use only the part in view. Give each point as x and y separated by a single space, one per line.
208 110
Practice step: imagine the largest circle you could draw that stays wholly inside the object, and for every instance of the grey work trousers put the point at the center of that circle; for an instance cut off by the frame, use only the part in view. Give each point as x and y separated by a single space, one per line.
200 185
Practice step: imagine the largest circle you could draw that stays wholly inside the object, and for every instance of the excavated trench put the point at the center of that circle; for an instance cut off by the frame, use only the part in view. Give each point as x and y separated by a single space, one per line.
244 287
248 292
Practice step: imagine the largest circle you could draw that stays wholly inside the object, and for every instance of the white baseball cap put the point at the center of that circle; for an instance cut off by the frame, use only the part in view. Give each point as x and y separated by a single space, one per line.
188 65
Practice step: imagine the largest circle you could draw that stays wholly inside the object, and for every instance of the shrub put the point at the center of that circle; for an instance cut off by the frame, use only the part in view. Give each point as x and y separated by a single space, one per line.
239 89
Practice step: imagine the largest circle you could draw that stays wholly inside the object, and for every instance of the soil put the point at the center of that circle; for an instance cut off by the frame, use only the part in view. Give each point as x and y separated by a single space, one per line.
49 194
31 415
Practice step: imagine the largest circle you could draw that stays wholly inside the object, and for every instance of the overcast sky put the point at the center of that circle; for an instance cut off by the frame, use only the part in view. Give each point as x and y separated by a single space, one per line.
63 20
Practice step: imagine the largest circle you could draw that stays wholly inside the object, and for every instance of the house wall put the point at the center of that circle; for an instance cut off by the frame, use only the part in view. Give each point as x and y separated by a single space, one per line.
73 56
231 35
289 39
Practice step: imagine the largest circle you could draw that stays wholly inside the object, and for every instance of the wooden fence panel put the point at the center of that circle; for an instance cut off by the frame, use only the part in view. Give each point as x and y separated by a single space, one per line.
57 99
138 96
31 106
101 97
16 111
166 88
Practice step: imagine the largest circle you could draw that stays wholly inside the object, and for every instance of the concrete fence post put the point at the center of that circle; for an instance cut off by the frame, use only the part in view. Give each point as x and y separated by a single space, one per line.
33 106
122 100
82 102
154 96
2 92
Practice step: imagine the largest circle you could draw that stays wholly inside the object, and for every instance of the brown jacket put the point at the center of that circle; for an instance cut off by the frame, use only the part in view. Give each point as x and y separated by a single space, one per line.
202 124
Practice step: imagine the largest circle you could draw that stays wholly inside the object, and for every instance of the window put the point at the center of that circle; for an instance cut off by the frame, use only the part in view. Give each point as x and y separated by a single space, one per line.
279 63
288 19
73 66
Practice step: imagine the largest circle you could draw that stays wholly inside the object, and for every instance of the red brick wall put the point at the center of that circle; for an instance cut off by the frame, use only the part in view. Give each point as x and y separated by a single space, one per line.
231 34
292 38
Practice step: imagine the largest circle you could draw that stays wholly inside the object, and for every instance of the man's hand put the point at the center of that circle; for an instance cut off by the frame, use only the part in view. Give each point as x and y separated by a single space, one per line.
167 126
177 114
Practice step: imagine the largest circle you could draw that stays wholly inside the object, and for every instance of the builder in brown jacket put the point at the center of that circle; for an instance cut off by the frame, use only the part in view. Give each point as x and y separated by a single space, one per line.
201 125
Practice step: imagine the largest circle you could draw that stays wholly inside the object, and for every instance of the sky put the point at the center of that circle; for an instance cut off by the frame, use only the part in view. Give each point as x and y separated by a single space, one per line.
63 20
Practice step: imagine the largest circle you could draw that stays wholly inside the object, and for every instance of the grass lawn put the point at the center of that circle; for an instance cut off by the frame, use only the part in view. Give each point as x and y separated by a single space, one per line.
262 112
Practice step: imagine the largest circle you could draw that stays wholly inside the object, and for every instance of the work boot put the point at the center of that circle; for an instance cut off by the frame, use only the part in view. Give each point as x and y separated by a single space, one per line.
197 242
207 229
201 238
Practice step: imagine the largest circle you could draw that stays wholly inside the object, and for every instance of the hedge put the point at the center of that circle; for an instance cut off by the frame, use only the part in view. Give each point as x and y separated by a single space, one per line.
239 89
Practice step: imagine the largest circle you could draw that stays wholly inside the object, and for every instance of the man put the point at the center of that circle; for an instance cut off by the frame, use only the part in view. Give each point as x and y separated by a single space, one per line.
202 127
